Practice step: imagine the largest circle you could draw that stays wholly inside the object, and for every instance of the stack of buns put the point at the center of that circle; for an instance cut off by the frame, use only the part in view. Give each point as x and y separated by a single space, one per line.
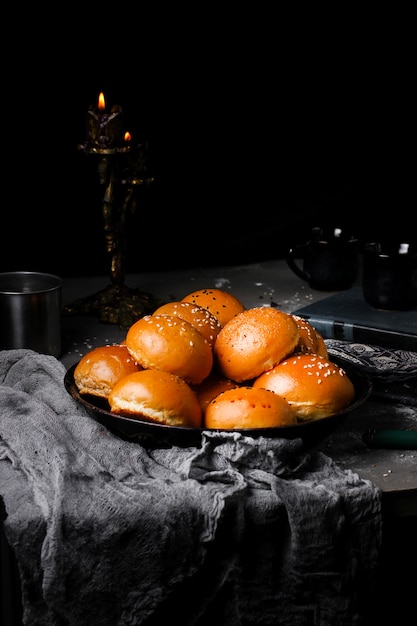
207 361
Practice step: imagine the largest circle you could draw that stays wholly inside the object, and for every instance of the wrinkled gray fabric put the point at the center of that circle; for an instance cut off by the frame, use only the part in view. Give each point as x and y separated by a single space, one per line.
240 531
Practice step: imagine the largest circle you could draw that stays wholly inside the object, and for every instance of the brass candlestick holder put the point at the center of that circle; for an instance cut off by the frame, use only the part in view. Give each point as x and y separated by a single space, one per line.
121 171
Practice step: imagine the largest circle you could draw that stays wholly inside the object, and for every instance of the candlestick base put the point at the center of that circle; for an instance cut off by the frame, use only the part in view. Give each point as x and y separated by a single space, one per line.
116 304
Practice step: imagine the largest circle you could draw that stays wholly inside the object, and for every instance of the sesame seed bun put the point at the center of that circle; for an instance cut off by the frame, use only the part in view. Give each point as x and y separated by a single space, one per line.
157 396
171 344
248 407
310 341
222 304
198 316
254 341
99 370
314 386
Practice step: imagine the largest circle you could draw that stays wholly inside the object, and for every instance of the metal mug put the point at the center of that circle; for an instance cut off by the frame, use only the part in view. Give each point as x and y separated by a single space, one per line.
330 259
30 312
389 276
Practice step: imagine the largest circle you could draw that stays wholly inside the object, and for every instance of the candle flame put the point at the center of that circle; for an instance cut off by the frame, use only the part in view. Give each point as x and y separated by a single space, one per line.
127 136
101 102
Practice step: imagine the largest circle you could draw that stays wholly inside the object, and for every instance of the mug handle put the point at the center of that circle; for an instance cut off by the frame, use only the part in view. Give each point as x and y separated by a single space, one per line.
297 252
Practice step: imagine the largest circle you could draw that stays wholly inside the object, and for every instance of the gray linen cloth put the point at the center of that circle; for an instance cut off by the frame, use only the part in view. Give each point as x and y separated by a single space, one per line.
239 531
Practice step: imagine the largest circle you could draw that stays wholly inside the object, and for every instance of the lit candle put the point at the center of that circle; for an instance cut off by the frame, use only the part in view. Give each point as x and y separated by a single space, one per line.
105 130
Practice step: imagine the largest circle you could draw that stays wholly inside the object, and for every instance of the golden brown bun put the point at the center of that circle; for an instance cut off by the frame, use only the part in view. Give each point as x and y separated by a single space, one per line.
198 316
168 343
314 386
211 387
310 340
157 396
222 304
99 370
254 341
248 407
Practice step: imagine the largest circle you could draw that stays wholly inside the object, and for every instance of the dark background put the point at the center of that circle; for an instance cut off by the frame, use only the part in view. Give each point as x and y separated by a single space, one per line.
258 126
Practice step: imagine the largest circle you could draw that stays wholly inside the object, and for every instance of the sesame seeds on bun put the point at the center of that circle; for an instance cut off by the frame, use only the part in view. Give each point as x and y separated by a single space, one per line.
310 340
198 316
222 304
169 343
314 386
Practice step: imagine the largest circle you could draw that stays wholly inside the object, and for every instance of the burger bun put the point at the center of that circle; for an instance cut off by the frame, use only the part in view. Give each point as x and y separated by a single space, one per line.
99 370
254 341
170 344
157 396
314 386
222 304
248 407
